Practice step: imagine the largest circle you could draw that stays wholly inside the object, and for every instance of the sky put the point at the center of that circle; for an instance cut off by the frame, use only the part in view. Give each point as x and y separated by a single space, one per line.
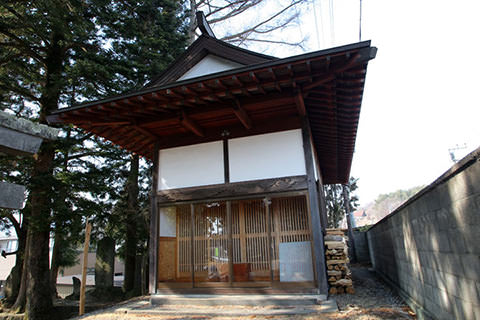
420 96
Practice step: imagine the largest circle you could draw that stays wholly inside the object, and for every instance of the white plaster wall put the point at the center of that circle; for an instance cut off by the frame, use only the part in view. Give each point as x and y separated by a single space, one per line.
189 166
209 64
265 156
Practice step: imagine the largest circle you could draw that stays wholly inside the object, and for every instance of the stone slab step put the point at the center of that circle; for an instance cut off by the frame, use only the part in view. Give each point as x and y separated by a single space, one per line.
235 300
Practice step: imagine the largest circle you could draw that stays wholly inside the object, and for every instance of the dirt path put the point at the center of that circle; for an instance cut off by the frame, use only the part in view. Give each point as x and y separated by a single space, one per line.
373 300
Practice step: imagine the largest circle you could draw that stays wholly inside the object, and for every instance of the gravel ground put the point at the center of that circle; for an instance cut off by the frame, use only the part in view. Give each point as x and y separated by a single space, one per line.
373 300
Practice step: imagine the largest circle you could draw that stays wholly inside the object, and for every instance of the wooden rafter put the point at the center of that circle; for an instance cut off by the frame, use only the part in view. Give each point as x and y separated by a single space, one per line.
273 95
191 125
300 103
145 132
242 115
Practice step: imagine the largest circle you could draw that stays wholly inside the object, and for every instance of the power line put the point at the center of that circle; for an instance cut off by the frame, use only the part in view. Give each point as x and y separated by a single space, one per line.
360 23
332 24
317 32
321 22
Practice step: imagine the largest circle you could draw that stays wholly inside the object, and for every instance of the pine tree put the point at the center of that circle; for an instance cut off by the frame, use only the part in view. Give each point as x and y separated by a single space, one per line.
55 53
146 36
40 40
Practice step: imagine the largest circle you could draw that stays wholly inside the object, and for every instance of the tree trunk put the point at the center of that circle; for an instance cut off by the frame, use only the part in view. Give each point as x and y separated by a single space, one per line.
19 304
54 265
346 203
193 23
59 241
39 299
14 280
131 225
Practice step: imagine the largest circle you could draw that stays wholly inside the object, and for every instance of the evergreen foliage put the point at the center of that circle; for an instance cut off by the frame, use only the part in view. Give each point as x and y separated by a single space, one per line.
334 201
58 53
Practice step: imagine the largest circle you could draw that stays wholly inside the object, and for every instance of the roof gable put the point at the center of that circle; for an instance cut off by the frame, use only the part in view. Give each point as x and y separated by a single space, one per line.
205 46
208 65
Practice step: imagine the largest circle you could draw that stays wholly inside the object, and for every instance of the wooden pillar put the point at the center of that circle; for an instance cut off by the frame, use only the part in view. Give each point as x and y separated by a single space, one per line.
267 203
230 243
321 195
192 243
314 204
153 239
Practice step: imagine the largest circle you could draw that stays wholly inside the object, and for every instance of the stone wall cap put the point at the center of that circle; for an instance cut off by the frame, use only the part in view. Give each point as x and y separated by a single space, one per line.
28 127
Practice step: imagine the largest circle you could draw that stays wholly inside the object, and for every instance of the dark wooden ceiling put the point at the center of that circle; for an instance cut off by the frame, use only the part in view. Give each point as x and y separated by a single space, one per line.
325 86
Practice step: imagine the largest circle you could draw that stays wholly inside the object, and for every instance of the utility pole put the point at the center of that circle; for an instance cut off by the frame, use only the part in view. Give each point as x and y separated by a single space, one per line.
346 204
455 149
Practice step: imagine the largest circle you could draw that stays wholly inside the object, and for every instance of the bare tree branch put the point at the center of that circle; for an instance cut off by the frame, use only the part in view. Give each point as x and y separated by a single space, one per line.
255 28
244 5
217 11
292 44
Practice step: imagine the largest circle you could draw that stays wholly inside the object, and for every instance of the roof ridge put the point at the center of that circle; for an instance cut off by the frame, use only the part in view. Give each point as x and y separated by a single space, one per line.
197 51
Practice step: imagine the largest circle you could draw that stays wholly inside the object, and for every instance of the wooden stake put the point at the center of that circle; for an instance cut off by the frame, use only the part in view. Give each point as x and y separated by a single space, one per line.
88 229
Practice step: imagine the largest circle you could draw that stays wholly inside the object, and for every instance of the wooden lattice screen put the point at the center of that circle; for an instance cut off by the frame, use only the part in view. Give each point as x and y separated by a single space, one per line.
289 223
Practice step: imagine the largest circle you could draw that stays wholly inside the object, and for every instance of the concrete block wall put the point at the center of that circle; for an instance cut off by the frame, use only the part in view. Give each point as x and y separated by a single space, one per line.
361 246
429 248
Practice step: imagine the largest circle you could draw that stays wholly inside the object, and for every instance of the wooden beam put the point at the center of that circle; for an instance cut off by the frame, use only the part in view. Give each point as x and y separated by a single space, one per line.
238 130
290 70
191 125
273 100
172 93
331 75
300 103
257 81
219 84
309 66
236 81
188 91
117 123
145 132
242 115
231 190
274 77
319 82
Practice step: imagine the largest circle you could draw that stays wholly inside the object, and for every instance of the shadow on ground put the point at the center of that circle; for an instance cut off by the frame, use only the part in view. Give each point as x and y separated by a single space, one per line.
373 300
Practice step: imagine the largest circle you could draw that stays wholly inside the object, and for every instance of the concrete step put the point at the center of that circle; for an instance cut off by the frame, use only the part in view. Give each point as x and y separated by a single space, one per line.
235 300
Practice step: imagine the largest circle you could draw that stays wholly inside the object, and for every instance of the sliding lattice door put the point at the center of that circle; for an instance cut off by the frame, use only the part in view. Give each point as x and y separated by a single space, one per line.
255 244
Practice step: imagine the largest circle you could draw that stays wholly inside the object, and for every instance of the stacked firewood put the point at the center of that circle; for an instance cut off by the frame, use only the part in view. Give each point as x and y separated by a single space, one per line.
336 251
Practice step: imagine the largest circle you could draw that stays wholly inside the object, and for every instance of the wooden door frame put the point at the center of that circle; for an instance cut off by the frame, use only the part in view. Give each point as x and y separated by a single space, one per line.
231 284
